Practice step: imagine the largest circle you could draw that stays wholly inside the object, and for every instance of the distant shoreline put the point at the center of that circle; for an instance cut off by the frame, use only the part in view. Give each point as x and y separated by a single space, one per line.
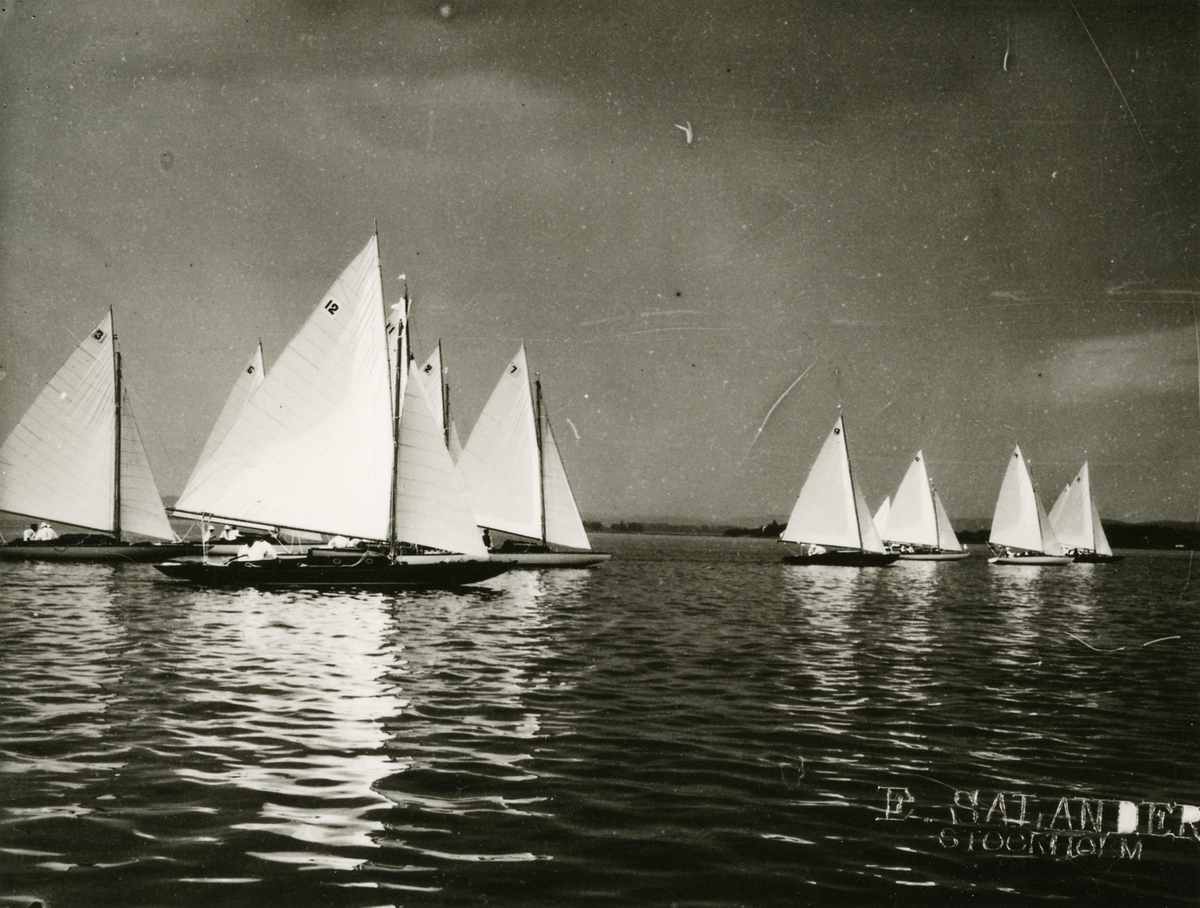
1120 535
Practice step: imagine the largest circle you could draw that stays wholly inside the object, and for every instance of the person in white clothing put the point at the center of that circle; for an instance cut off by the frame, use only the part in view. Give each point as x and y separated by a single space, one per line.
45 533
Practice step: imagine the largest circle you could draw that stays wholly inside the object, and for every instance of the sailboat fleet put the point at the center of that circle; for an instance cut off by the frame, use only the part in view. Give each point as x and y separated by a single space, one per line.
350 445
830 523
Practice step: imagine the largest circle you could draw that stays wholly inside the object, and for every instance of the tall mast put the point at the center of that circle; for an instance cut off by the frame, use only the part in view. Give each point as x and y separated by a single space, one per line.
537 384
116 434
445 399
391 532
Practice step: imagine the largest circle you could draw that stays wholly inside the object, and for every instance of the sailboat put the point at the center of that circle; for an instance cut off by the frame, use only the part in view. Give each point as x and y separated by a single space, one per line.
830 520
516 479
917 525
1021 530
76 457
1077 522
339 439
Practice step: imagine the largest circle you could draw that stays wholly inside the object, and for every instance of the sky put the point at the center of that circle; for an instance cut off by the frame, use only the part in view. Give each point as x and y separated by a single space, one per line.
966 224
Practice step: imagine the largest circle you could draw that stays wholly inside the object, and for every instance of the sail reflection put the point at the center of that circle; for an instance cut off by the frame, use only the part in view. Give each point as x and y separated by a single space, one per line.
464 745
295 693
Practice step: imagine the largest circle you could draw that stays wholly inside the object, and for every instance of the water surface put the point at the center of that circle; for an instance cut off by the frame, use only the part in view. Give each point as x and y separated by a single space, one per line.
692 723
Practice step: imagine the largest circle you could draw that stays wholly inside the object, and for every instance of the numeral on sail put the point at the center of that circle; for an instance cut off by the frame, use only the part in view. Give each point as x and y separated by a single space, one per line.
98 335
331 307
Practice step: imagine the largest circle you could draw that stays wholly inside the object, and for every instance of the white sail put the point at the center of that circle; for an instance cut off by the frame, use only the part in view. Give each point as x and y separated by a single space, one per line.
431 503
912 520
499 463
1075 519
247 382
435 387
453 442
563 524
947 538
867 531
881 516
57 463
830 510
312 448
142 509
1020 521
1102 546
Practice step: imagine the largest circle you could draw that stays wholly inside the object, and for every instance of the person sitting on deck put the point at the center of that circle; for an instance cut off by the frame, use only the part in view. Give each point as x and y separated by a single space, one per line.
45 533
229 533
261 550
31 533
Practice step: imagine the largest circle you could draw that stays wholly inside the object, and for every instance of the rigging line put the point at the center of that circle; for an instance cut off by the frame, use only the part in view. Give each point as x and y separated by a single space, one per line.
773 406
1133 118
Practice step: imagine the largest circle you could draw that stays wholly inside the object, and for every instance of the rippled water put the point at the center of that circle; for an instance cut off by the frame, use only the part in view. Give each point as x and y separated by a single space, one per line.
692 723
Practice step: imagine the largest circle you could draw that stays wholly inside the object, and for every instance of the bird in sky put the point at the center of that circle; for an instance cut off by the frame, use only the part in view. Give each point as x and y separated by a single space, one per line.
687 130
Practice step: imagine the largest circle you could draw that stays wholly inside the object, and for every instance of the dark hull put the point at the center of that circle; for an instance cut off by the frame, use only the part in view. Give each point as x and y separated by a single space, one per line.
537 561
303 573
845 559
1096 558
91 549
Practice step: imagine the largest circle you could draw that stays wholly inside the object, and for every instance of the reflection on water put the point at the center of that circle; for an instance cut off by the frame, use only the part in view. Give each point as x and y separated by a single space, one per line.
693 722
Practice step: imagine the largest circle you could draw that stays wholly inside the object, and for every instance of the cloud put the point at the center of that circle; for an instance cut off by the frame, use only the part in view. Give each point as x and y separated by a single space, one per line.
1099 370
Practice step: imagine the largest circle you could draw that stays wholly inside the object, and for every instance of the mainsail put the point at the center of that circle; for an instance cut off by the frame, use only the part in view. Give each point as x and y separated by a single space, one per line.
500 462
312 447
431 504
247 383
512 467
59 462
917 516
1075 519
830 509
1020 521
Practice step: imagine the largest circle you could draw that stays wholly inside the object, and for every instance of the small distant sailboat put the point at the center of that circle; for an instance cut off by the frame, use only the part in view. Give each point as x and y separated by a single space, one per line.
916 523
76 457
1021 530
1077 522
516 479
830 521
